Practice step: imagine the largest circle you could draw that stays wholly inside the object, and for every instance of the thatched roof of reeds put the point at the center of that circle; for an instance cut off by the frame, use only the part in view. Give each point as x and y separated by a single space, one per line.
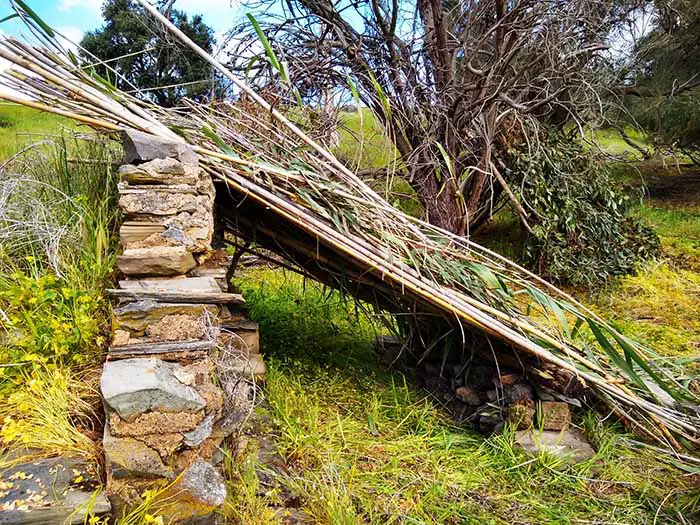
294 197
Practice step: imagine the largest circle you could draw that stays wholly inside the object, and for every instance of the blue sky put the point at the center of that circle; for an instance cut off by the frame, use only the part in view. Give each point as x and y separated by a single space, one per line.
74 17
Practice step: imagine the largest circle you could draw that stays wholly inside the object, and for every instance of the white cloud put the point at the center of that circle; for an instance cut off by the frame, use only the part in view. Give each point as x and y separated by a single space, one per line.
91 5
72 33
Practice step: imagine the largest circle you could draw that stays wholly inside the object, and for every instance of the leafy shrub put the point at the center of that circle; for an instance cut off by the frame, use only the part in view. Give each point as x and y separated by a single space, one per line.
47 320
583 232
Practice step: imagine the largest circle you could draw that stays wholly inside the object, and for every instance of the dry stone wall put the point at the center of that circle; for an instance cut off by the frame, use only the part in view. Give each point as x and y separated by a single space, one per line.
184 358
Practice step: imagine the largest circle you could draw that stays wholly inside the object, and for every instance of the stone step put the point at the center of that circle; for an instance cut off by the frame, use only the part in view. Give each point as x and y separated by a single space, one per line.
174 349
179 297
178 284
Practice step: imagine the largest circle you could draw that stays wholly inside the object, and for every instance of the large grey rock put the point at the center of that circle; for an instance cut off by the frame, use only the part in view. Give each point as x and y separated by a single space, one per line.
134 386
141 147
52 491
126 457
569 445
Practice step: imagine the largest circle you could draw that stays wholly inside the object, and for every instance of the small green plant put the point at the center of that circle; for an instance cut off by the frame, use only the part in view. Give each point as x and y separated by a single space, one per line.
47 320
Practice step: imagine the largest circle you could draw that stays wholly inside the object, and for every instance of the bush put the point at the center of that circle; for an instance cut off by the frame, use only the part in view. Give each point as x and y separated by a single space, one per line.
47 320
582 233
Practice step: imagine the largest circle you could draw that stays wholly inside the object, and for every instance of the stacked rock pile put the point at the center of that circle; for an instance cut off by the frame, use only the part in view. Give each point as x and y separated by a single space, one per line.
175 329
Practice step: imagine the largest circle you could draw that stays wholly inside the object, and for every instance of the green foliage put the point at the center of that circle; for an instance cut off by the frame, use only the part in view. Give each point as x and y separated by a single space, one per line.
57 245
46 321
583 232
153 63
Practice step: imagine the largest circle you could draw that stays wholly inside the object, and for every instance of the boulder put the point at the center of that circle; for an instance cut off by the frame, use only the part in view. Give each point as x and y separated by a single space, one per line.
568 445
132 387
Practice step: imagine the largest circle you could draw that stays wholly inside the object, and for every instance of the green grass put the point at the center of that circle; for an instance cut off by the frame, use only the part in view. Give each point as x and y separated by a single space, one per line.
362 445
21 126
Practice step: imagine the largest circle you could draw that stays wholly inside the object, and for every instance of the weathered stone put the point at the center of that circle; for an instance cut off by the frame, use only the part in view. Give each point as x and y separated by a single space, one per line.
156 261
163 443
129 457
153 423
520 414
199 434
569 445
176 284
517 392
243 336
196 493
160 201
176 328
468 395
160 171
131 232
553 415
134 386
120 337
139 316
52 491
142 147
214 398
250 366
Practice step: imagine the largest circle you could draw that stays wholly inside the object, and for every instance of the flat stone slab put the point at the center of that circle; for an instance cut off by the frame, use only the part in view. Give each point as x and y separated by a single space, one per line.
172 349
52 491
176 285
569 445
142 147
132 387
159 260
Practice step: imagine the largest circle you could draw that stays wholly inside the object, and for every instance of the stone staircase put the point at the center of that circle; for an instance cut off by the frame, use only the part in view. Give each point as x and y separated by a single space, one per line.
181 371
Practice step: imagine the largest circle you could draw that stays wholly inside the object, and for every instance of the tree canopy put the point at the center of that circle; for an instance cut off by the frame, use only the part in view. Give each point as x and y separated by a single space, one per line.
145 59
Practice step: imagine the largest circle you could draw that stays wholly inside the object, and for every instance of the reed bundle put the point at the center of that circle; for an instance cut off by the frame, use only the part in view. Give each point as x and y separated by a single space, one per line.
294 197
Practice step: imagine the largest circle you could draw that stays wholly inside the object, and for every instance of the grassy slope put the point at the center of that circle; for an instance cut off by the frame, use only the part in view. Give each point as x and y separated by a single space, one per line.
20 127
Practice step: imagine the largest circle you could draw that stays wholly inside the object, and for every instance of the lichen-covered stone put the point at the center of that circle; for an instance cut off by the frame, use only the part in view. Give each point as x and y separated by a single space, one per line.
198 492
51 491
153 423
554 415
139 316
159 260
165 443
569 445
160 201
132 387
129 457
166 171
